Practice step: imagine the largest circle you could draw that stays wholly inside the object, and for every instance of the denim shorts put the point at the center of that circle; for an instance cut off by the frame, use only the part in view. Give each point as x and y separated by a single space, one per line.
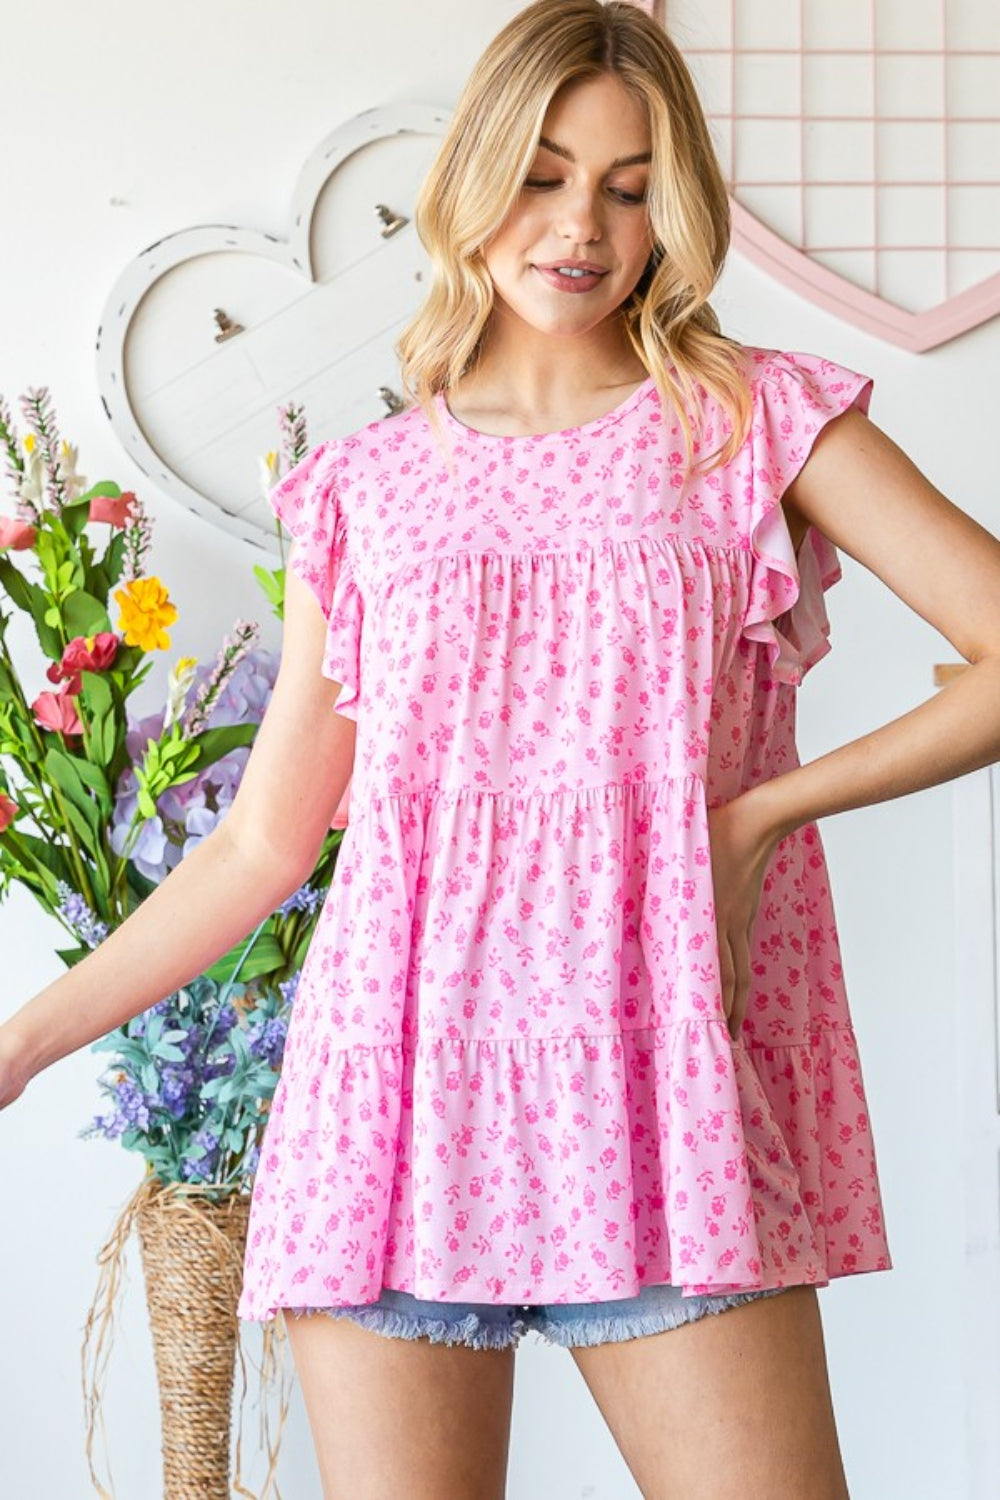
483 1325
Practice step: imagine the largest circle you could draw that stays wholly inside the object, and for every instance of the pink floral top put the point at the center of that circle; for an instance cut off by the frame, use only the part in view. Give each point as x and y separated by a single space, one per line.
508 1075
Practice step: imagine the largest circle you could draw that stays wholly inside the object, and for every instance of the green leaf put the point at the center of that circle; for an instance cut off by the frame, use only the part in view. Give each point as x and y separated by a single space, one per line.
104 706
96 694
215 743
83 614
273 585
72 956
48 861
80 824
112 738
74 516
61 770
265 957
33 600
168 1052
96 780
105 487
101 578
102 740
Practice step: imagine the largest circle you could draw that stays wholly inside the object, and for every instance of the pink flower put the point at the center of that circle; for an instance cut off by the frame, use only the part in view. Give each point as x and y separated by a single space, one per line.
57 711
115 512
84 653
15 535
8 812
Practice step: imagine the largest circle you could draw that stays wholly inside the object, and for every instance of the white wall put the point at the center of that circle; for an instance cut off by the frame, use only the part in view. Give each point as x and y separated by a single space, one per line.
121 124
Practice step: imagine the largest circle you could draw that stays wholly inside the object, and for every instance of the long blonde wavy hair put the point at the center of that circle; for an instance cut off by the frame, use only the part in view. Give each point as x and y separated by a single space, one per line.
479 171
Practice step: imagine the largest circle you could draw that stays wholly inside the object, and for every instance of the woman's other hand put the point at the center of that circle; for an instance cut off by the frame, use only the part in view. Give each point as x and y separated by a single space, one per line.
742 843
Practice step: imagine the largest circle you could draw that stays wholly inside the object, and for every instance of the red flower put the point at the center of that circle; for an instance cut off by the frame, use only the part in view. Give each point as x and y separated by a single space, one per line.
107 508
84 653
57 711
15 535
8 812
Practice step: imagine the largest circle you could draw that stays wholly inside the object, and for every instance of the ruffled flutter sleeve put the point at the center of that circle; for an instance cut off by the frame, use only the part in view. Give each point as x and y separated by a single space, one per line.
794 395
307 504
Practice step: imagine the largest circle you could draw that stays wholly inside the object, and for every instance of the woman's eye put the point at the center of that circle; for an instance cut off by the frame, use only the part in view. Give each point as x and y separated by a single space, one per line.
618 192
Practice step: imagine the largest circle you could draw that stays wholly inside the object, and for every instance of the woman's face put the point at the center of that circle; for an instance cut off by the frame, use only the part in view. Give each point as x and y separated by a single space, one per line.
576 204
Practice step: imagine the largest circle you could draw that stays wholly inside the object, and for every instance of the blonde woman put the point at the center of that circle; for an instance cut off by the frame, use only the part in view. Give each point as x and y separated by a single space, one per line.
551 1063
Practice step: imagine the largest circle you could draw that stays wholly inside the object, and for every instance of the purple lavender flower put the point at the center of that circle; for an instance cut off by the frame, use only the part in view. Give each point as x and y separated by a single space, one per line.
289 988
176 1089
235 648
201 1169
131 1105
79 918
245 696
266 1039
306 898
138 540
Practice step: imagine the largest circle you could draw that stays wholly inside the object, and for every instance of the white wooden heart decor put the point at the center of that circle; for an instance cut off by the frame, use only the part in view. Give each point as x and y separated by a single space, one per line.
212 329
861 144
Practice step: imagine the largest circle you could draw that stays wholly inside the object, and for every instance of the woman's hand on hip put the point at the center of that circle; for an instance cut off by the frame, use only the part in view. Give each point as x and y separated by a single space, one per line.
741 845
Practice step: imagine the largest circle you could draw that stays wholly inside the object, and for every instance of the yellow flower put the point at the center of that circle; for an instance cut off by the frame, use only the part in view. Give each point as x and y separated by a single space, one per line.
145 612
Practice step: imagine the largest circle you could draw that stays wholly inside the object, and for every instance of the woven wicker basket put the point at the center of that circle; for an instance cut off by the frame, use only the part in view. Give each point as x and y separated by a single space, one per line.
192 1240
192 1258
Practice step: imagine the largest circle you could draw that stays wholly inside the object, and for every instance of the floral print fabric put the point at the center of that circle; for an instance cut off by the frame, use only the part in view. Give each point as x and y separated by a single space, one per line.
508 1075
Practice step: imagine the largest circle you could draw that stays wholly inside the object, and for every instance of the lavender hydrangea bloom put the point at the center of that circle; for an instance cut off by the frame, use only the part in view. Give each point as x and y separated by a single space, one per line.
188 813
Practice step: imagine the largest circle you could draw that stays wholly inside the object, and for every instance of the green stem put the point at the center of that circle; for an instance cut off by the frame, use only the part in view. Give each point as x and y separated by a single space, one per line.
56 811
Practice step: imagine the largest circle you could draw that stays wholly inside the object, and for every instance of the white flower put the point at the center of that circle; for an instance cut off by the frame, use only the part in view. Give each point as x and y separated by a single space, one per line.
178 686
269 471
74 483
31 490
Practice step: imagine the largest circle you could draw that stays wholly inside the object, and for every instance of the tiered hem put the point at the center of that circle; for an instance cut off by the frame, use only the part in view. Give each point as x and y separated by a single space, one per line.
736 1160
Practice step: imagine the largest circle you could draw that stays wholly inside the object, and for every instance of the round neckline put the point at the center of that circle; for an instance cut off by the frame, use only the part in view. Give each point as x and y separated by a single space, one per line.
624 406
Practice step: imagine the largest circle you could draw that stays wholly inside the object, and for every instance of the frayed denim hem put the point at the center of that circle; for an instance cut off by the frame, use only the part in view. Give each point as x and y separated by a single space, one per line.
470 1330
587 1332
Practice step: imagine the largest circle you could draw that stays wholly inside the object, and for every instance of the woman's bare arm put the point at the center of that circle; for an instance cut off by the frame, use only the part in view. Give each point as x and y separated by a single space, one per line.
266 846
871 500
864 493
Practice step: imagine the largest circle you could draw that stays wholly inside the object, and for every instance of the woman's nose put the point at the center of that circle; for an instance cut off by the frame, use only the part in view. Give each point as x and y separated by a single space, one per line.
579 217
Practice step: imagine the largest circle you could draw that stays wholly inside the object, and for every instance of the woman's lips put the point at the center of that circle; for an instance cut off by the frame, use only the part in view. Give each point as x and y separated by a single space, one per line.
571 283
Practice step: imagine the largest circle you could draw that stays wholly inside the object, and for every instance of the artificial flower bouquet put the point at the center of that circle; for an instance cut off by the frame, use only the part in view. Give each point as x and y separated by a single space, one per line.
97 805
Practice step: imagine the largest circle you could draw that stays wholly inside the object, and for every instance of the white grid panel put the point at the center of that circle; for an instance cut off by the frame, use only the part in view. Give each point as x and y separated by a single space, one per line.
865 134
